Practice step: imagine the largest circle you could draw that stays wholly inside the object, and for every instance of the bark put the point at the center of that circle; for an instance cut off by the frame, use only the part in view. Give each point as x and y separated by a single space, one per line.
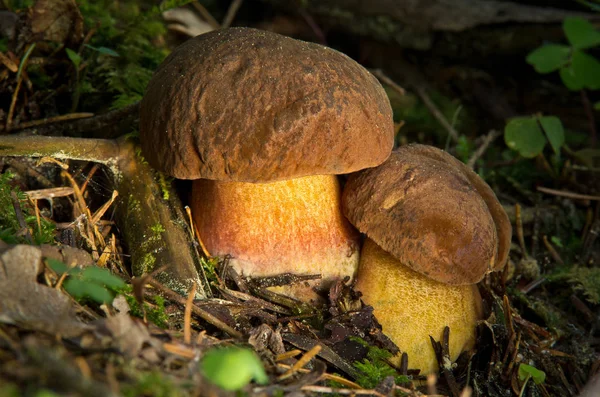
150 214
411 23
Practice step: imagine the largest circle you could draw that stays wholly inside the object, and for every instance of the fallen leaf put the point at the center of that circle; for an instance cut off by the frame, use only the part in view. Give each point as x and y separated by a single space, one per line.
25 302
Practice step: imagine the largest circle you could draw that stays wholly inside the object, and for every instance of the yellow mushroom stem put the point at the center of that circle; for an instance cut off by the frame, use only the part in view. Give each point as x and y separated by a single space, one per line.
293 226
411 307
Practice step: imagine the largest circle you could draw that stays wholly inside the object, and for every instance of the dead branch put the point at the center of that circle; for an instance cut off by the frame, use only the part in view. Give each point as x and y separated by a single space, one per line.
150 215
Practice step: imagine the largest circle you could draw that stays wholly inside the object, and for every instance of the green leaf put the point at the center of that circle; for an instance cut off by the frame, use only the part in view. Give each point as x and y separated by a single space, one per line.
232 368
597 106
104 50
581 33
583 72
85 289
527 371
555 133
102 276
74 57
549 57
524 135
56 265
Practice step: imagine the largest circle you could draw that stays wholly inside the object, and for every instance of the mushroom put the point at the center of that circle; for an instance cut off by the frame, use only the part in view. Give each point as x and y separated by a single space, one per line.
434 229
263 123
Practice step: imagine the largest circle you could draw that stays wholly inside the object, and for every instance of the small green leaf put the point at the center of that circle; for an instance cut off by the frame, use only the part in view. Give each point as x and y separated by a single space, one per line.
556 241
56 265
524 135
549 57
581 33
527 371
85 289
554 131
583 72
570 79
104 50
102 276
232 368
597 105
74 57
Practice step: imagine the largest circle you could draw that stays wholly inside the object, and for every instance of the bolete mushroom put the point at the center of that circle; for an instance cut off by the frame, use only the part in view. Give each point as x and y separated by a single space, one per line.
263 123
434 229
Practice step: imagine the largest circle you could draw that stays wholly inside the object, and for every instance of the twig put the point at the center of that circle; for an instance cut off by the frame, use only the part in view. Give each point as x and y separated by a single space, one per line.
387 80
552 250
203 314
206 15
489 138
187 316
111 123
50 120
49 193
442 353
565 193
436 113
331 390
231 12
19 81
519 227
313 25
20 217
309 355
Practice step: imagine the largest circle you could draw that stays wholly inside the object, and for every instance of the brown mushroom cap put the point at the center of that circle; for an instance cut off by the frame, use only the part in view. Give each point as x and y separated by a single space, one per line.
432 213
246 105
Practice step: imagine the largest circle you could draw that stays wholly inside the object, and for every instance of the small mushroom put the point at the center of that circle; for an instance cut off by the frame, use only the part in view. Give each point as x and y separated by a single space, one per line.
263 123
434 229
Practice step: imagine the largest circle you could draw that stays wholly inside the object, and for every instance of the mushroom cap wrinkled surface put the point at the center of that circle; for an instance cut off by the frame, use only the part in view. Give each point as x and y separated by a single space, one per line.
432 213
246 105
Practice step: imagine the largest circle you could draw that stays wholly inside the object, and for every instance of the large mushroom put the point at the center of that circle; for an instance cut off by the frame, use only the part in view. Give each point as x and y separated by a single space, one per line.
263 123
434 229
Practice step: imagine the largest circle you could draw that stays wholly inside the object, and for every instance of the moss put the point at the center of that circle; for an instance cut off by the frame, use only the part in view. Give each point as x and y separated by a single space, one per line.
133 205
164 182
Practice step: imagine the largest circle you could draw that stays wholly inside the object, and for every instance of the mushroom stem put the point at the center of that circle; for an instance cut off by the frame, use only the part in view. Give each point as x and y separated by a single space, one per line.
410 307
279 227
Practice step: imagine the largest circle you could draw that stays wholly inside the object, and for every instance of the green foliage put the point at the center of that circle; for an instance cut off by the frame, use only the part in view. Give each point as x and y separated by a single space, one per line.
154 313
578 70
586 280
464 148
210 268
232 368
527 372
150 384
95 283
74 57
9 225
528 135
125 50
374 369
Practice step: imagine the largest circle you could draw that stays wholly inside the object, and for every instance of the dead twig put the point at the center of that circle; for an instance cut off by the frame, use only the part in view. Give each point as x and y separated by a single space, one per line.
489 138
203 314
384 78
231 12
309 355
187 316
20 73
206 15
50 120
565 193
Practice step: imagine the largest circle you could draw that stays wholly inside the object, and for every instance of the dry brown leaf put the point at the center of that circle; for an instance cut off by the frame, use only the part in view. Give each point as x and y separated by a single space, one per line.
25 302
57 20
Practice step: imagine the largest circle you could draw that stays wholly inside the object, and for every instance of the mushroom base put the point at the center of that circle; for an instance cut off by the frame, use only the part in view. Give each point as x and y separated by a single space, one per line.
410 307
294 226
